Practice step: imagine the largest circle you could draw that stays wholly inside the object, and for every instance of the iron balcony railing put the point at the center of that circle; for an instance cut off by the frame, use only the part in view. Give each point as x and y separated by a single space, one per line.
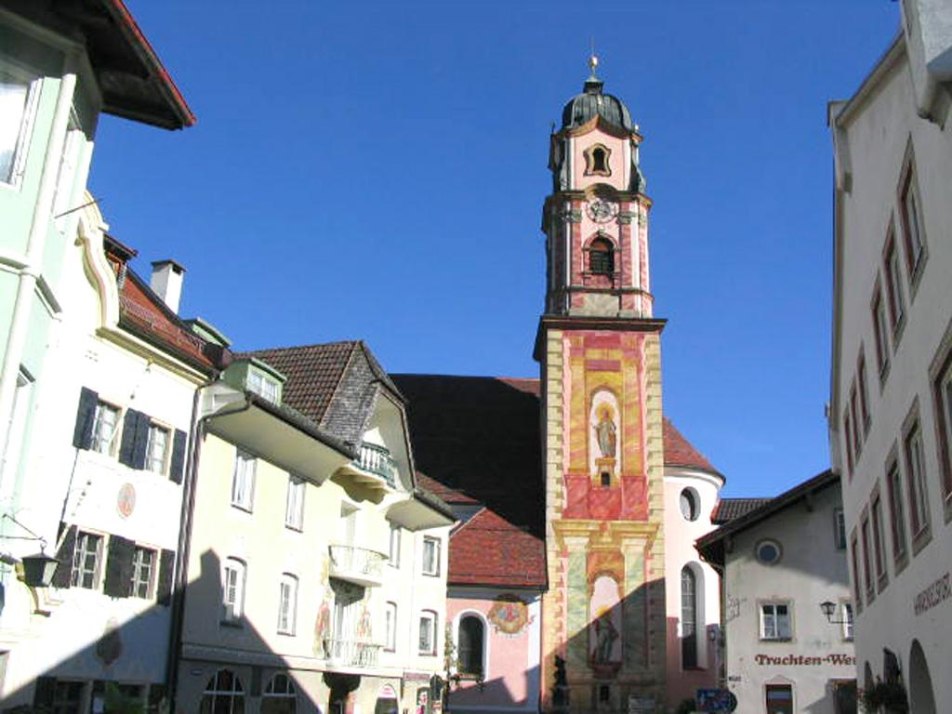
358 564
351 653
377 460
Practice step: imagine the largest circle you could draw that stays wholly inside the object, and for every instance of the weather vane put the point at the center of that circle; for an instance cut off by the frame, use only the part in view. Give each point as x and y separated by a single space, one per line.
593 59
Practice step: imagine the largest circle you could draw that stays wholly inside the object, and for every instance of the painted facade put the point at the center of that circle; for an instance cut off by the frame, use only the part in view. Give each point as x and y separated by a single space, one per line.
780 561
889 415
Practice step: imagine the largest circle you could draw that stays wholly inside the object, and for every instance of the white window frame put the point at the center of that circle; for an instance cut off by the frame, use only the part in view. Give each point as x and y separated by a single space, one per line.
25 122
769 611
426 644
846 616
287 604
87 544
294 507
263 385
894 295
396 540
144 574
105 431
430 563
158 462
390 627
914 452
243 480
234 579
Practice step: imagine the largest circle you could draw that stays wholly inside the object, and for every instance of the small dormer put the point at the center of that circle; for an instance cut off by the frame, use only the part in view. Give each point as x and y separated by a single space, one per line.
256 376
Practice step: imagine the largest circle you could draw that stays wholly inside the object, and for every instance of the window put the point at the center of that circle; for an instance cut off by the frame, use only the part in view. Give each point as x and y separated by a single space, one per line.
597 160
879 540
470 642
601 257
941 375
879 332
143 572
105 421
233 594
390 627
857 431
775 621
846 615
913 233
916 475
157 449
243 481
848 441
898 518
431 556
768 552
287 604
779 698
867 570
893 286
68 697
854 560
17 101
863 391
839 528
688 618
263 386
223 694
427 643
86 559
294 509
394 546
280 696
689 507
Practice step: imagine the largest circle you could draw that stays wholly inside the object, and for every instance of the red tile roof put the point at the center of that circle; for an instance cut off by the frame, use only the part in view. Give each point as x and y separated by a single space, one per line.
678 451
143 312
443 492
727 509
488 550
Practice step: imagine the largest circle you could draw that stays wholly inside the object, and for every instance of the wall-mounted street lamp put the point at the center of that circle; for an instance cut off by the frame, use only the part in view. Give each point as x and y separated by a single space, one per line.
828 609
35 571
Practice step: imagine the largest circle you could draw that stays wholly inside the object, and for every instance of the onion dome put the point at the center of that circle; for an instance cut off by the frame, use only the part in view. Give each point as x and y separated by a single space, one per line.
592 101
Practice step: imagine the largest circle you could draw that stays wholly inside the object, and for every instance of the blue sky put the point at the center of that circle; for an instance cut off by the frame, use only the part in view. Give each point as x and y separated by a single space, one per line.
377 171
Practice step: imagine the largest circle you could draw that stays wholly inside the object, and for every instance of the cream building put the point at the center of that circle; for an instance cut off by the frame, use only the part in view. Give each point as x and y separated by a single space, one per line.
890 415
780 561
316 577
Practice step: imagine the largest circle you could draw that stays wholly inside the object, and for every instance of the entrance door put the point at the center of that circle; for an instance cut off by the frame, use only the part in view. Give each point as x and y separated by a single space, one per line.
779 699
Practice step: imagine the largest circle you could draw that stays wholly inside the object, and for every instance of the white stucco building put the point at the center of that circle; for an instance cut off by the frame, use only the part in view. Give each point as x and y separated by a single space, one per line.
779 562
891 387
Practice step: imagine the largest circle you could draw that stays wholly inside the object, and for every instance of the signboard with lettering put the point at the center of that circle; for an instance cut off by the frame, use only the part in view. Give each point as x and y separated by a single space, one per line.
937 592
716 701
795 660
640 705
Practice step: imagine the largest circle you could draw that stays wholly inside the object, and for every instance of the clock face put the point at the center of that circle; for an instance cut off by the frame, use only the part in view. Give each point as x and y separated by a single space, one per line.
601 210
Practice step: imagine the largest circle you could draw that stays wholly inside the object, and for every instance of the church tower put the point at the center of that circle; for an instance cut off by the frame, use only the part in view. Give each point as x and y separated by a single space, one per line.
603 630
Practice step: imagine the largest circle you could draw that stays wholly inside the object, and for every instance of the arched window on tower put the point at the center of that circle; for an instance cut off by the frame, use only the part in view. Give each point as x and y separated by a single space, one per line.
597 160
601 257
688 618
470 646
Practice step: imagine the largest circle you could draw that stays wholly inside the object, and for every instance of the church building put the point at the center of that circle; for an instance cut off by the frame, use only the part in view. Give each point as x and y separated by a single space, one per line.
578 476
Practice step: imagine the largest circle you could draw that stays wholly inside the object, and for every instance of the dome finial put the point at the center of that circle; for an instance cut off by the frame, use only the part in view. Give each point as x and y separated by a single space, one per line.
593 60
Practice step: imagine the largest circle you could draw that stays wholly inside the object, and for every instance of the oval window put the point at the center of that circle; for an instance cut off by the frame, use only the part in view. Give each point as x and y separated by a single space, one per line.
689 505
768 552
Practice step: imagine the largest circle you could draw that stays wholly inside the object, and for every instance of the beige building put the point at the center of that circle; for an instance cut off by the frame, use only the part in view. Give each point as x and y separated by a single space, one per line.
891 388
316 576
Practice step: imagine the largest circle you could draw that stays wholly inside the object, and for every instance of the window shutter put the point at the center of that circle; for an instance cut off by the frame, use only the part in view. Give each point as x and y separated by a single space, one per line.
118 581
166 568
85 416
65 557
44 693
178 456
127 445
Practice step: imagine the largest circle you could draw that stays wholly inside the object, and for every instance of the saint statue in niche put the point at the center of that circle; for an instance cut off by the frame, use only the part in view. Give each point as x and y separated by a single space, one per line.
605 432
605 635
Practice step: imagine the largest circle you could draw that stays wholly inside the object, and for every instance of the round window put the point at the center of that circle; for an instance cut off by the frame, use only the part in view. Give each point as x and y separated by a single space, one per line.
689 505
768 552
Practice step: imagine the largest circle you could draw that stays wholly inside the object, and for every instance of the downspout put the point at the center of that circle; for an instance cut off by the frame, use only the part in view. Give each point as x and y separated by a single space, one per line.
182 555
39 226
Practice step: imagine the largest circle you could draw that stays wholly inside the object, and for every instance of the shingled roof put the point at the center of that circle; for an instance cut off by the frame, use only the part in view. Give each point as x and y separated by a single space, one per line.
727 509
488 550
678 451
332 384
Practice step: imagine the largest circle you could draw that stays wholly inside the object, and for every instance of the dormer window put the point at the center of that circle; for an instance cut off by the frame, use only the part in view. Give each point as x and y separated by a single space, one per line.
601 257
597 160
263 385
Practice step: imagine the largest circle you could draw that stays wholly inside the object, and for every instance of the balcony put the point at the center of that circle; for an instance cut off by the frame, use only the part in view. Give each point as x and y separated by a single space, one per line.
350 654
374 467
357 565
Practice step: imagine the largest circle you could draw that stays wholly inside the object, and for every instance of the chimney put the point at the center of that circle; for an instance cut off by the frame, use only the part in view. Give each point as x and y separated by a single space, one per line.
167 276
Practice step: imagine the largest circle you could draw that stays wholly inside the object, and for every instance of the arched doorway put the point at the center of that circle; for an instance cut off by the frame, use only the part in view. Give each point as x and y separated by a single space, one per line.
921 697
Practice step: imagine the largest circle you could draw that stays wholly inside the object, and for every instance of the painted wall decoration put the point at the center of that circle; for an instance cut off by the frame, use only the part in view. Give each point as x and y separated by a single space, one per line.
509 615
605 630
126 500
